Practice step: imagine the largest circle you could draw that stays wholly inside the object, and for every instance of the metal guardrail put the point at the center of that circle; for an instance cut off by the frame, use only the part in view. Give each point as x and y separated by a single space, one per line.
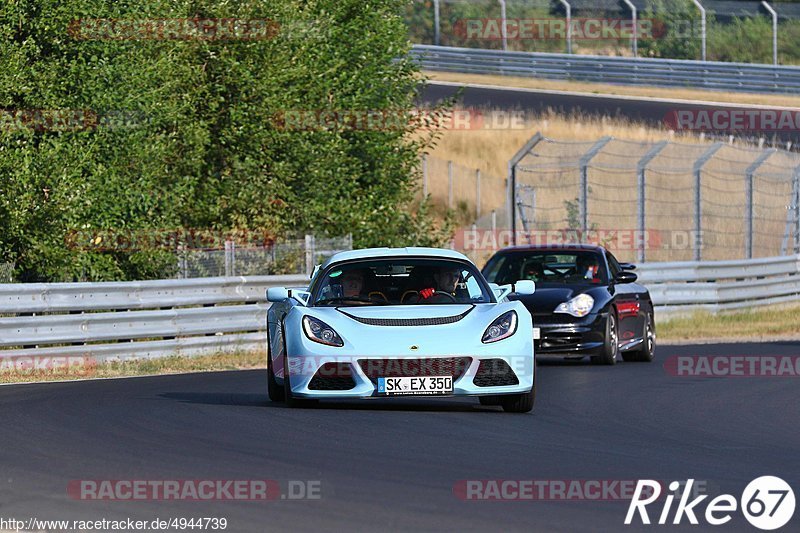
740 77
142 319
683 287
148 319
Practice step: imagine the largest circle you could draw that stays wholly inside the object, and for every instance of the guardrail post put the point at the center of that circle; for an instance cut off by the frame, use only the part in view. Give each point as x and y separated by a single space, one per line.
583 193
569 24
477 193
748 198
635 40
436 36
703 26
450 185
774 31
641 169
698 199
511 182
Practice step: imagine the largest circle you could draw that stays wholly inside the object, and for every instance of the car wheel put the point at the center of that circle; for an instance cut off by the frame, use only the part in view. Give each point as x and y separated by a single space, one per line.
648 350
489 400
290 400
275 391
519 403
611 345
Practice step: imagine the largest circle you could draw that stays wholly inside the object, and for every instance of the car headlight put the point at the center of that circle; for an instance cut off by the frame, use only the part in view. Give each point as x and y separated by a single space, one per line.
579 306
319 331
503 327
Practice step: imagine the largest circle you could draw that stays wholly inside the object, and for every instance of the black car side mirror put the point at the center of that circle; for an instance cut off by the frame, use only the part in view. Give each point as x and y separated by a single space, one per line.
625 276
627 266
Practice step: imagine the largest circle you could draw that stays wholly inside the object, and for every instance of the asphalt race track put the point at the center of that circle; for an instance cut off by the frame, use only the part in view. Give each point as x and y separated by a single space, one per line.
392 465
637 109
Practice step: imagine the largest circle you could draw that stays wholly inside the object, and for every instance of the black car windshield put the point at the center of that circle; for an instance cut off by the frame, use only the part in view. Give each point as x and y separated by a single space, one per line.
398 281
546 267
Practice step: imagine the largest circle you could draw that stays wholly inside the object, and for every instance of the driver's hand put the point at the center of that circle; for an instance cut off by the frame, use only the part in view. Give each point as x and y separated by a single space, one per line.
427 293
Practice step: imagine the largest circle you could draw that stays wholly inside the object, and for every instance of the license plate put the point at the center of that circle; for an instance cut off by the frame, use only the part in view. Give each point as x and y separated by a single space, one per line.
420 386
537 334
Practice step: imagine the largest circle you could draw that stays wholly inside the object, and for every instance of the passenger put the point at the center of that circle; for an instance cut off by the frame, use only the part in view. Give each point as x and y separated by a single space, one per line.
588 267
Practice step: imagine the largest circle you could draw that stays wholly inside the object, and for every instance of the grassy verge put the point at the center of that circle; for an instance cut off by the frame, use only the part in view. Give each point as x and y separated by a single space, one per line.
671 93
142 367
754 324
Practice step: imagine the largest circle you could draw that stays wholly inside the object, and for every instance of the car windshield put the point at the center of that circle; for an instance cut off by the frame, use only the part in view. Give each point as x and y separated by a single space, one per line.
394 281
547 267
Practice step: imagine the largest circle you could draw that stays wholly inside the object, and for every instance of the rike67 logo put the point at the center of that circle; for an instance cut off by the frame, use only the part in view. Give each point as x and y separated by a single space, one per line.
767 503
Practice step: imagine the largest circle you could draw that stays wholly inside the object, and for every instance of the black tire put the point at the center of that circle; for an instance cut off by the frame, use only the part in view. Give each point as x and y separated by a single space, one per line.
648 350
275 391
611 346
519 403
489 400
290 400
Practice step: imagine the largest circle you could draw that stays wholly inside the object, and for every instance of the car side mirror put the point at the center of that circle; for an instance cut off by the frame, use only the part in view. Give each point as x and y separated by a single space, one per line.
277 294
627 266
524 287
625 276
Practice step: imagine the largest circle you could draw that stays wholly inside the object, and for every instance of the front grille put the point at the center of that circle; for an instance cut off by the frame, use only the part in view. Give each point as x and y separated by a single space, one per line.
333 376
494 373
560 338
395 368
409 322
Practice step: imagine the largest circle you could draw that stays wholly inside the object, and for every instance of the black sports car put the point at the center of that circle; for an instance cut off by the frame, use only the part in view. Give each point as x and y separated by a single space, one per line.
586 302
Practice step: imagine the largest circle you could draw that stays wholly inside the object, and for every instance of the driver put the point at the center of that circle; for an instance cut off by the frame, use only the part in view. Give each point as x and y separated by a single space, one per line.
446 281
352 283
588 267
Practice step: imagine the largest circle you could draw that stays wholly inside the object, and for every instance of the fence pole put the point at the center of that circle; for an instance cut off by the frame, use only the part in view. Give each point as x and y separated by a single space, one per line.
635 40
796 184
424 176
504 27
511 182
477 193
583 193
703 26
748 198
698 198
450 185
309 249
774 30
436 22
228 258
641 169
569 24
494 222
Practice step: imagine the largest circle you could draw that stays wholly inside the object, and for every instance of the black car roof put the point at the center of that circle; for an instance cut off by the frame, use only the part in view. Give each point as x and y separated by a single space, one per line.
553 248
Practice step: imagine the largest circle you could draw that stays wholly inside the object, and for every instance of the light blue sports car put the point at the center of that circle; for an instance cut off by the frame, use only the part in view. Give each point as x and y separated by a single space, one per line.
387 322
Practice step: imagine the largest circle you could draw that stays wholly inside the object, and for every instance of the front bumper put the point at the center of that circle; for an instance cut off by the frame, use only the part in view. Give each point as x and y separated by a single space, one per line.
564 335
356 376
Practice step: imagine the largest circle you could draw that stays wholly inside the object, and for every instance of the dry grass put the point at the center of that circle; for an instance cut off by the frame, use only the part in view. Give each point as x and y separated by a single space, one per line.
143 367
755 324
787 100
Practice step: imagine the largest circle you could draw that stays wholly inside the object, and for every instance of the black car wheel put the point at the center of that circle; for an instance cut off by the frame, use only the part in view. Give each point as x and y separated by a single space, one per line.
611 345
290 400
275 391
648 349
519 403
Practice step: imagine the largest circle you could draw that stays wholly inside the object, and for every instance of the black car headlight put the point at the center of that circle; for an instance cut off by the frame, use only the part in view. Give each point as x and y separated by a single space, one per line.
503 327
319 331
579 306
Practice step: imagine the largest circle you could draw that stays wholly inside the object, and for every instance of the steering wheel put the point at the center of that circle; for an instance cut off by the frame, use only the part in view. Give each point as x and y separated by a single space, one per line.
435 294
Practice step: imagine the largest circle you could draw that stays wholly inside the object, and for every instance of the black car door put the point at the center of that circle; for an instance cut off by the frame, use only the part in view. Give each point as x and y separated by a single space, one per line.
628 301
